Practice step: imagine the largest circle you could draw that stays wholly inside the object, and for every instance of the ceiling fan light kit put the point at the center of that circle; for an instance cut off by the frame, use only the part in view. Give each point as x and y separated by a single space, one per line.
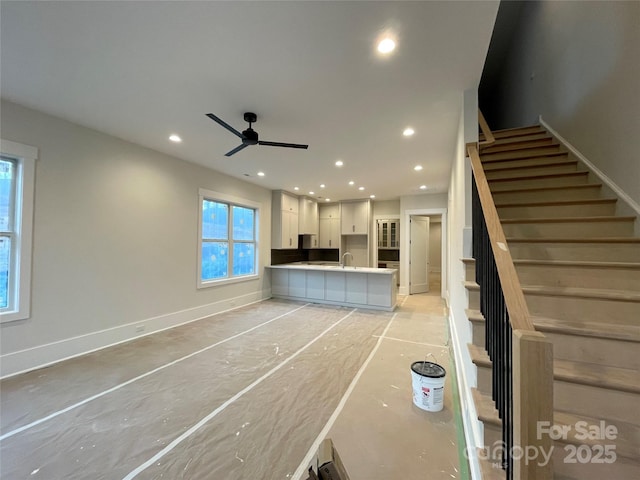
250 136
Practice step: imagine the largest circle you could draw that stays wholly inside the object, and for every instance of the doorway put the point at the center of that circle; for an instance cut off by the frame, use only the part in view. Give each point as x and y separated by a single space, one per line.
418 254
436 254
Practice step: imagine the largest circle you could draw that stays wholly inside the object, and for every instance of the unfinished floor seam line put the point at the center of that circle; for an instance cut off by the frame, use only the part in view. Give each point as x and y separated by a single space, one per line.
302 468
139 377
409 341
238 395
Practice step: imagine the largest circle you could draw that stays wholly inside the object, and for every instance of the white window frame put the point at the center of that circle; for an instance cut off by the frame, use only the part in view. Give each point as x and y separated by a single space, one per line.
204 194
19 291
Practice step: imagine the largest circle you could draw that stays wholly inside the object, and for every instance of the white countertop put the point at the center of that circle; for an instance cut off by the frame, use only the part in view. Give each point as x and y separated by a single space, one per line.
333 267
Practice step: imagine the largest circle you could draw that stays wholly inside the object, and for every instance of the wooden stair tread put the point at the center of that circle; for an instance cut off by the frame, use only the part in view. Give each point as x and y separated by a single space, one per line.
550 188
519 145
611 331
505 132
538 165
516 131
521 148
538 177
603 376
568 263
576 292
485 408
487 161
558 203
590 374
602 218
573 240
627 441
578 263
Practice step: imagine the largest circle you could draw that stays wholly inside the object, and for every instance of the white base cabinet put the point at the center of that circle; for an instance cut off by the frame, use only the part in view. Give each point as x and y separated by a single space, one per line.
374 288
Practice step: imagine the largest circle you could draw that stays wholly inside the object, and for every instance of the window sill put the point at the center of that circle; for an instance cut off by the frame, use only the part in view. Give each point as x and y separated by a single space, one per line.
227 281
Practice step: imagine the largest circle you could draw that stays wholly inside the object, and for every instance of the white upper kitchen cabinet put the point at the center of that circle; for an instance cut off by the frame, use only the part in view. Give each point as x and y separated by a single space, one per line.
284 214
355 217
308 216
329 226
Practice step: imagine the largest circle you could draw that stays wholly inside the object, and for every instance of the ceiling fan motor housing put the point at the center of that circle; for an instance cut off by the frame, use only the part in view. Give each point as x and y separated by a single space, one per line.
250 136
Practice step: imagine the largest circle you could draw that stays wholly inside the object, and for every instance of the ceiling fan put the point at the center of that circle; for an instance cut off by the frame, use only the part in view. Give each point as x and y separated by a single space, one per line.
250 136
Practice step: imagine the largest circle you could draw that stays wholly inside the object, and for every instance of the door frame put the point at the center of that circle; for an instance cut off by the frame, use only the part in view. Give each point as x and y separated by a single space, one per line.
404 251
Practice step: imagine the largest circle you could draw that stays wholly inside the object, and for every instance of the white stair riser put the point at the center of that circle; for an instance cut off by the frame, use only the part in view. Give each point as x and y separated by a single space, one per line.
598 252
558 181
533 170
560 194
614 228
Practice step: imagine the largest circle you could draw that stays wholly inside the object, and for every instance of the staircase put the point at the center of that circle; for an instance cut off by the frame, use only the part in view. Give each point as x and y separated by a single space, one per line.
578 262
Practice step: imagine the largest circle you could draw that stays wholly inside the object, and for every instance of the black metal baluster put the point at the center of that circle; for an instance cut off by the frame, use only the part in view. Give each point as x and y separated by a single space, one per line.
497 326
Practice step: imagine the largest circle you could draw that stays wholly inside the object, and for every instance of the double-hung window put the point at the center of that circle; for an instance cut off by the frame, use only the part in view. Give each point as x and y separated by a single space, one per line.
17 169
228 239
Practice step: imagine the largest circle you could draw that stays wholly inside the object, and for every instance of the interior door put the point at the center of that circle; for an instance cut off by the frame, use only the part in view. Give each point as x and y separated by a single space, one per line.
419 255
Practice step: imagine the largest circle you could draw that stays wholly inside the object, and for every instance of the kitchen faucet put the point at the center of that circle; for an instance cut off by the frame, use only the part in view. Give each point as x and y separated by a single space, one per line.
344 255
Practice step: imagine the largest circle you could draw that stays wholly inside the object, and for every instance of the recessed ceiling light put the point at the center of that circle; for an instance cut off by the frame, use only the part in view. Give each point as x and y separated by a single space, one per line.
408 132
351 182
417 168
322 185
175 138
296 188
360 188
423 187
261 174
327 199
386 45
339 163
312 193
372 196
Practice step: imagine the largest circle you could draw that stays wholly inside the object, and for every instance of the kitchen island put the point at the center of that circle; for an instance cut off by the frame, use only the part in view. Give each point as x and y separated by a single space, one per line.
363 287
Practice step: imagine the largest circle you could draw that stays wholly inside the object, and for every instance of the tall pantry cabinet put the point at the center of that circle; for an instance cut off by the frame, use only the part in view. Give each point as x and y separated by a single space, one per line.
284 232
329 225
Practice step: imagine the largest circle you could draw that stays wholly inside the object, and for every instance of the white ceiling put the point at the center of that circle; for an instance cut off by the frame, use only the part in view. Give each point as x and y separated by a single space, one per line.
143 70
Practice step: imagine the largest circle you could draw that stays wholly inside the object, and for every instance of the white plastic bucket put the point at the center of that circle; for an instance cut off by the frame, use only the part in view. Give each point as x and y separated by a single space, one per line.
427 379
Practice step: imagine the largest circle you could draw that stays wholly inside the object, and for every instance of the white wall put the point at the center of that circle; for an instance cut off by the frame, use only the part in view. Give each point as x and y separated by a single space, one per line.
115 241
458 228
386 207
577 64
435 244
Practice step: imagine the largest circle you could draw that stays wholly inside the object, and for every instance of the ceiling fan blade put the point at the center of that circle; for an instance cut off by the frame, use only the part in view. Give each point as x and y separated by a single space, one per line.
236 150
224 124
280 144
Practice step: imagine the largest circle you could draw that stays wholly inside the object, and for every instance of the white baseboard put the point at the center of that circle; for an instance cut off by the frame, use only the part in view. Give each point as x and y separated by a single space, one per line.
43 355
473 429
596 171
